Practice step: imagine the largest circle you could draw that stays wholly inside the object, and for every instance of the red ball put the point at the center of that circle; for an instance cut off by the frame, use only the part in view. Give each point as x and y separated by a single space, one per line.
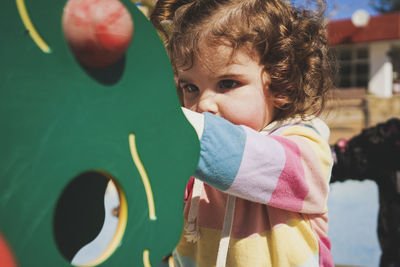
97 31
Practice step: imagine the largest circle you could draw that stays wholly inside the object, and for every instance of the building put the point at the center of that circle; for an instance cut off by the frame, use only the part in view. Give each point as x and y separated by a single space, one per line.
368 56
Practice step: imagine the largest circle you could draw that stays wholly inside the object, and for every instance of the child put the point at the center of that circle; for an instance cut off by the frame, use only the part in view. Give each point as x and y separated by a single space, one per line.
252 75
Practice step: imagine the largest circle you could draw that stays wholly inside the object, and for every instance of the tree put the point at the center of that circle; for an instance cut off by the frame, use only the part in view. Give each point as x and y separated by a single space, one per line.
385 6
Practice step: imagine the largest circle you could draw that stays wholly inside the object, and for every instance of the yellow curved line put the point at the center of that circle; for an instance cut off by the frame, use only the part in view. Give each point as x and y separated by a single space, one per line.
171 262
119 232
146 258
143 175
29 26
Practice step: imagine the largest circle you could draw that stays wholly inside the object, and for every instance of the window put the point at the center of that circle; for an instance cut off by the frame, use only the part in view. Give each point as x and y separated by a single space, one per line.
395 58
353 63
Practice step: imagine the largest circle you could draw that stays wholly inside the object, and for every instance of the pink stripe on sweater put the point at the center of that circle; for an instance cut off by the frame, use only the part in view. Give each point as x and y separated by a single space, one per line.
212 209
291 188
262 164
315 201
325 255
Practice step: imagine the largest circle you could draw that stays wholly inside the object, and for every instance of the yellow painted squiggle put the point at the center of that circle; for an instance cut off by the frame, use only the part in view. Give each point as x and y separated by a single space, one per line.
143 175
146 258
29 26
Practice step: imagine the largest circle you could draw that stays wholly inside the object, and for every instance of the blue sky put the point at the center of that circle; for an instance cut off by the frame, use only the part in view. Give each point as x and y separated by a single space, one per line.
345 8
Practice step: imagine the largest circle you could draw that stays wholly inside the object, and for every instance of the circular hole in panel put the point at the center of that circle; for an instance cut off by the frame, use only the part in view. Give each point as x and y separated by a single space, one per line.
90 218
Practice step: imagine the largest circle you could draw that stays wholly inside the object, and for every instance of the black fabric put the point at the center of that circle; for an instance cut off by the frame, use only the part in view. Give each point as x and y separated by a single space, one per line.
374 154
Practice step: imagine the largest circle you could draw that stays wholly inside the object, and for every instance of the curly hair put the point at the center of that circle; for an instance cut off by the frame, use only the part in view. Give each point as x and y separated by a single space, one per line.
290 42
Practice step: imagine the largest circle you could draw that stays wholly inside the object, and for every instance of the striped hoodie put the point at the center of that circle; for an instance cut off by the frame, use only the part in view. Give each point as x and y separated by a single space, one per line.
279 179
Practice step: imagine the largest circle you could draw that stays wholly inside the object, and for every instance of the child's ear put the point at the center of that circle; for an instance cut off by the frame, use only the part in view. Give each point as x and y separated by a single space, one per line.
266 79
279 100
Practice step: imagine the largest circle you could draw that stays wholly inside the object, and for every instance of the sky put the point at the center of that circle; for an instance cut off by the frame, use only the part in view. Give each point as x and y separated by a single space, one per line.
345 8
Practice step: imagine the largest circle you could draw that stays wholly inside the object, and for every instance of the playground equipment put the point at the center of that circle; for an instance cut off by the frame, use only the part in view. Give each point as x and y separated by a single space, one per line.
70 128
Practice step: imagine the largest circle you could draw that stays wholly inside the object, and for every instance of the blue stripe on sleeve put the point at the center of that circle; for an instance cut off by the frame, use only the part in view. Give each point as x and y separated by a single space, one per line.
221 151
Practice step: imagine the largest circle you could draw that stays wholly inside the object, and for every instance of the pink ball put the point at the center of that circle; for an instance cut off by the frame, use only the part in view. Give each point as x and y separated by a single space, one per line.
97 31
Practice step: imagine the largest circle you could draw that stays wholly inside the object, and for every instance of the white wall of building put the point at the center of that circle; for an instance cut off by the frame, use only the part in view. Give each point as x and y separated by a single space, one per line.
381 70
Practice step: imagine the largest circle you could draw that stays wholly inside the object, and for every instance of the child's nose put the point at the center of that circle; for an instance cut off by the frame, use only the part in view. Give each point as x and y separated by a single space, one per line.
208 103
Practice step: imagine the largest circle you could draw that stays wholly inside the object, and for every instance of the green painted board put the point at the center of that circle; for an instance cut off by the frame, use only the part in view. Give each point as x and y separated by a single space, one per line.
59 120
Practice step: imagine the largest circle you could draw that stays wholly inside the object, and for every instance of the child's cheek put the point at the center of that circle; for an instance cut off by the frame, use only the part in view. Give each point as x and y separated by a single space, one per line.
249 114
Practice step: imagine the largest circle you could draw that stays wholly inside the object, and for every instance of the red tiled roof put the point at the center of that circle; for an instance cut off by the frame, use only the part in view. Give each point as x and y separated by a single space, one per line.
381 27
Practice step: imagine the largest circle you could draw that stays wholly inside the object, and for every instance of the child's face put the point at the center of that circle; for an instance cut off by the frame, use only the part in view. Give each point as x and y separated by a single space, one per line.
235 89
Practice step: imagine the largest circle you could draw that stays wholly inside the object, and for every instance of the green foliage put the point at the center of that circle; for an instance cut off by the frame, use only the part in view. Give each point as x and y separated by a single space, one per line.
385 6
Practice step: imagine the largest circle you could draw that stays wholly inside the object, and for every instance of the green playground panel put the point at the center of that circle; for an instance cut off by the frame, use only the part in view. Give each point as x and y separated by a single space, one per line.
59 119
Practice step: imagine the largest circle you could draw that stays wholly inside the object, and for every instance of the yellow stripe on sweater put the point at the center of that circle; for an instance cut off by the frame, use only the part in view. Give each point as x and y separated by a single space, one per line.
290 244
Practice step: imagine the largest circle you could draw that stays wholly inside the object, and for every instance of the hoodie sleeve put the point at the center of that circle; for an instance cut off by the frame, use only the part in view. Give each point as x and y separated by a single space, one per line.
289 169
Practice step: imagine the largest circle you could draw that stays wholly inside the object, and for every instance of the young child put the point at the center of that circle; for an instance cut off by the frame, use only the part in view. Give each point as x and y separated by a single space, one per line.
252 75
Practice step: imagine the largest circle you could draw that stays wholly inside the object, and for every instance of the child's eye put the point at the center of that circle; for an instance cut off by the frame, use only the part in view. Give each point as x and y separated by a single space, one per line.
228 84
190 88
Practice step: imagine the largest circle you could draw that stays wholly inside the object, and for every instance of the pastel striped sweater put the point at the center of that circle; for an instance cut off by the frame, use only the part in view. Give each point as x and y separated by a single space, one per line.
280 177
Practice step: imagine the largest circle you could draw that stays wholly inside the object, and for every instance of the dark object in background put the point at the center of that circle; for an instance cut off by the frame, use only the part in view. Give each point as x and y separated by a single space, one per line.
375 155
365 156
